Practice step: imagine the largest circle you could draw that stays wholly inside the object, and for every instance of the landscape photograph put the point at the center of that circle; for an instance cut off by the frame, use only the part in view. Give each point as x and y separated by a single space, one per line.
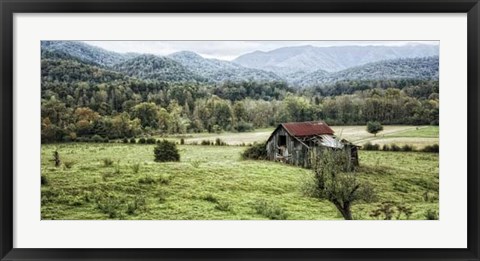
239 130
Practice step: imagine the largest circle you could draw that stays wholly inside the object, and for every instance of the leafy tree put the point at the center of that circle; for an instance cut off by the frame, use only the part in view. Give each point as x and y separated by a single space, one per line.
147 112
166 151
374 127
331 182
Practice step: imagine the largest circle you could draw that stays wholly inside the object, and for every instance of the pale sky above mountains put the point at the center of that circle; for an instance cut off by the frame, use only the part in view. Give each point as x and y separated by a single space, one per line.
229 50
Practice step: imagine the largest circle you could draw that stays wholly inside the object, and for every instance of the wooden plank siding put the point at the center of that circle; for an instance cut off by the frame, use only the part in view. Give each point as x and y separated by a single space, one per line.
299 154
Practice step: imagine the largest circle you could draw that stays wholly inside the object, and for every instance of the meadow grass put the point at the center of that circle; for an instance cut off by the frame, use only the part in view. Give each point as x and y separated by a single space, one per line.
213 183
417 136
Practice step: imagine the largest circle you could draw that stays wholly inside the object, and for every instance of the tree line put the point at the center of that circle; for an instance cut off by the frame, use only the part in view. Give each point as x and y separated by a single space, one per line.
80 100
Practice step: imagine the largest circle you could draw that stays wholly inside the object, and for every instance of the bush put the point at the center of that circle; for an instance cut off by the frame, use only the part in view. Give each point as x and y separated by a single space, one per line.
151 141
147 180
370 146
223 206
166 151
205 142
394 147
125 140
219 142
68 164
210 198
386 147
163 179
182 141
133 140
269 210
431 215
257 151
106 140
407 148
107 162
44 180
431 148
136 167
96 138
244 126
142 141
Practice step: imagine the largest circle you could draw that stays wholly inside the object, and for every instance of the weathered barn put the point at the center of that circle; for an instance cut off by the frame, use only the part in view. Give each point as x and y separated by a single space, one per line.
295 142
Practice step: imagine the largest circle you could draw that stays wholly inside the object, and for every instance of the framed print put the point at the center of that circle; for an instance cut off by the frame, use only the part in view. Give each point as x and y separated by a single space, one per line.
240 130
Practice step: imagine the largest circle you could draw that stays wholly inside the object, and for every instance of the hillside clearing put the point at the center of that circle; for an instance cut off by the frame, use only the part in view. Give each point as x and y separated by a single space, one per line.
213 183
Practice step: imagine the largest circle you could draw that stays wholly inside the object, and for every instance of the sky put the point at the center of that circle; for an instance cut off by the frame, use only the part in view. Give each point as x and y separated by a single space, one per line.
227 50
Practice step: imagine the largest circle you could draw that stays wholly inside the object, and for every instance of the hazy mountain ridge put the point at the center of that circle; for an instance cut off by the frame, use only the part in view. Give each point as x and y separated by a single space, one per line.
84 52
331 59
220 71
407 68
298 66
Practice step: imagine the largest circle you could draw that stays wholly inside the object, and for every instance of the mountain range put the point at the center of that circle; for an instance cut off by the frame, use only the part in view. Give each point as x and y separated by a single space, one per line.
299 66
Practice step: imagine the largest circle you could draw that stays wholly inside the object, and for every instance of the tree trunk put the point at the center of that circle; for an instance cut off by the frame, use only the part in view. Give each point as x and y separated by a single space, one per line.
345 210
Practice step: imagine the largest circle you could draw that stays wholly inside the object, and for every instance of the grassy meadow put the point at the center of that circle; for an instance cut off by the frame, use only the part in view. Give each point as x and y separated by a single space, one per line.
418 136
122 181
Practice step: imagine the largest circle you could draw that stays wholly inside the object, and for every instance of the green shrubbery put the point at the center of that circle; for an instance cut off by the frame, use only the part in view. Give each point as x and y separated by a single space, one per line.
406 148
270 210
257 151
166 151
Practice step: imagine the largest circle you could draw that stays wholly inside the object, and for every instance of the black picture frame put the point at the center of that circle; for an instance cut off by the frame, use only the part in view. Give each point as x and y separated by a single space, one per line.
9 8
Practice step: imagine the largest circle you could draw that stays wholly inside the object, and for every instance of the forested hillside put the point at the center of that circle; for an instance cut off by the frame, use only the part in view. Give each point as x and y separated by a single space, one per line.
134 95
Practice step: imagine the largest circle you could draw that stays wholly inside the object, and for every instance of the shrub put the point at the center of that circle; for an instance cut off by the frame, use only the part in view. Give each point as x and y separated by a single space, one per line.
219 142
106 140
136 167
109 205
68 164
394 147
137 204
147 180
431 215
270 210
125 140
257 151
107 162
370 146
133 140
166 151
161 195
244 126
163 179
151 141
205 142
142 141
182 141
56 158
407 148
223 206
386 147
96 138
43 180
210 198
431 148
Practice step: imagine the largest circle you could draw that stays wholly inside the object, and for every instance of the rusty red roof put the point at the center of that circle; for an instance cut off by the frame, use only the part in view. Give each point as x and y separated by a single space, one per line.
309 128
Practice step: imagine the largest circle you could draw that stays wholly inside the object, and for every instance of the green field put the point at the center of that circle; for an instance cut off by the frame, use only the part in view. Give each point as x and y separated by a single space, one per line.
418 136
212 182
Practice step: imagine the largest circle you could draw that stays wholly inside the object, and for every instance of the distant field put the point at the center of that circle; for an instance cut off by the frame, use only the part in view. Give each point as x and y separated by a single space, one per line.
212 182
418 136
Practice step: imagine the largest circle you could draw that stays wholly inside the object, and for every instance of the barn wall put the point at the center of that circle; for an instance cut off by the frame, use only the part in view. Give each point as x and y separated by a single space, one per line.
298 153
301 155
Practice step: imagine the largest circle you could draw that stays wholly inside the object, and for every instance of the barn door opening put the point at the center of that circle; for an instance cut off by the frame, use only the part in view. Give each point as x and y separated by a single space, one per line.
282 140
